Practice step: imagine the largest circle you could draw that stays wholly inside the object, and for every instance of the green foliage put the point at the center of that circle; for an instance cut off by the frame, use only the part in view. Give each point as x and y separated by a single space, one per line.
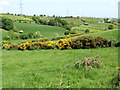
24 36
6 38
39 21
67 27
111 26
58 22
7 24
67 32
87 31
90 42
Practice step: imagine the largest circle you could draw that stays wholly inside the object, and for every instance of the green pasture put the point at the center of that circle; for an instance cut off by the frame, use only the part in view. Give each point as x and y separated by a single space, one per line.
109 34
47 31
56 68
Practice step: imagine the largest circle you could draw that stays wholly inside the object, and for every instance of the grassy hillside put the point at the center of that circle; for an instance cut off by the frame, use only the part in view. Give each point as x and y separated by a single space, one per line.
55 68
7 33
47 31
15 18
78 21
109 34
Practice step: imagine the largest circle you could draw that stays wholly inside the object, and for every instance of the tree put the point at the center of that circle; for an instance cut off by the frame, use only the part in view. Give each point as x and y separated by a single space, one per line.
111 26
7 24
87 31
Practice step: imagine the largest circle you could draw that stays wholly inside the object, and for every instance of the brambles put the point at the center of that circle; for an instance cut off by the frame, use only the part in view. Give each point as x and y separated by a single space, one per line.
89 63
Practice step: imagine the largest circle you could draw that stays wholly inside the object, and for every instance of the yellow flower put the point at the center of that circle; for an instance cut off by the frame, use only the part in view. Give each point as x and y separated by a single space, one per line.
118 68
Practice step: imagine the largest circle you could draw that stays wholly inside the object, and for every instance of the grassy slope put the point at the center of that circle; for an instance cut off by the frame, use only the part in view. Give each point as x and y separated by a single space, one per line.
110 34
78 21
47 31
16 17
48 68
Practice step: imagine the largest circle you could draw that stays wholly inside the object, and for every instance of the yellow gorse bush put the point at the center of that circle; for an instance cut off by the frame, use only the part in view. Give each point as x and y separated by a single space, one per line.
41 36
6 46
118 68
78 43
64 44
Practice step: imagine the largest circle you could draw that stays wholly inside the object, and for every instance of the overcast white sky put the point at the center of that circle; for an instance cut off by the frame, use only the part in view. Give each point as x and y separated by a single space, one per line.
93 8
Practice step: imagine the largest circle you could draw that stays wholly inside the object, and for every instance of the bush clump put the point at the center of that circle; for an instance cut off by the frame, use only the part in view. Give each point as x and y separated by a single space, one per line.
67 32
90 42
89 63
111 27
87 31
7 24
78 43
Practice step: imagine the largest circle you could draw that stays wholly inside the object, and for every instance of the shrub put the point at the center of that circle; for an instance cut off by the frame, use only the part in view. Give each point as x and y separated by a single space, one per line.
7 38
64 44
78 43
7 24
90 42
117 44
24 36
111 27
67 32
67 27
30 35
89 63
87 31
116 80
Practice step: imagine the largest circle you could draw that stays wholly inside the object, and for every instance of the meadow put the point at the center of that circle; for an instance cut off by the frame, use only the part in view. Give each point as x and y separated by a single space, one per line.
54 68
47 31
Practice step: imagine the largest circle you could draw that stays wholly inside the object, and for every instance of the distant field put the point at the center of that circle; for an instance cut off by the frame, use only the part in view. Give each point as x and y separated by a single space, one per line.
16 17
77 21
110 34
50 68
47 31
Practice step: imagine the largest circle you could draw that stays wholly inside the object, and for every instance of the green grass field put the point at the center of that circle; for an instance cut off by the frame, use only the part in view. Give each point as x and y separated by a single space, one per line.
50 68
47 31
14 18
56 68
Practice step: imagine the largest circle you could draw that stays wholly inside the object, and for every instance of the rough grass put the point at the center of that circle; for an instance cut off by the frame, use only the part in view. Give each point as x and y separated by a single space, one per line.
55 68
47 31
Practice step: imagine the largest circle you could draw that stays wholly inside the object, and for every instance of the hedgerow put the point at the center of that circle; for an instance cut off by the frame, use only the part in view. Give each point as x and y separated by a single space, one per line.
84 42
